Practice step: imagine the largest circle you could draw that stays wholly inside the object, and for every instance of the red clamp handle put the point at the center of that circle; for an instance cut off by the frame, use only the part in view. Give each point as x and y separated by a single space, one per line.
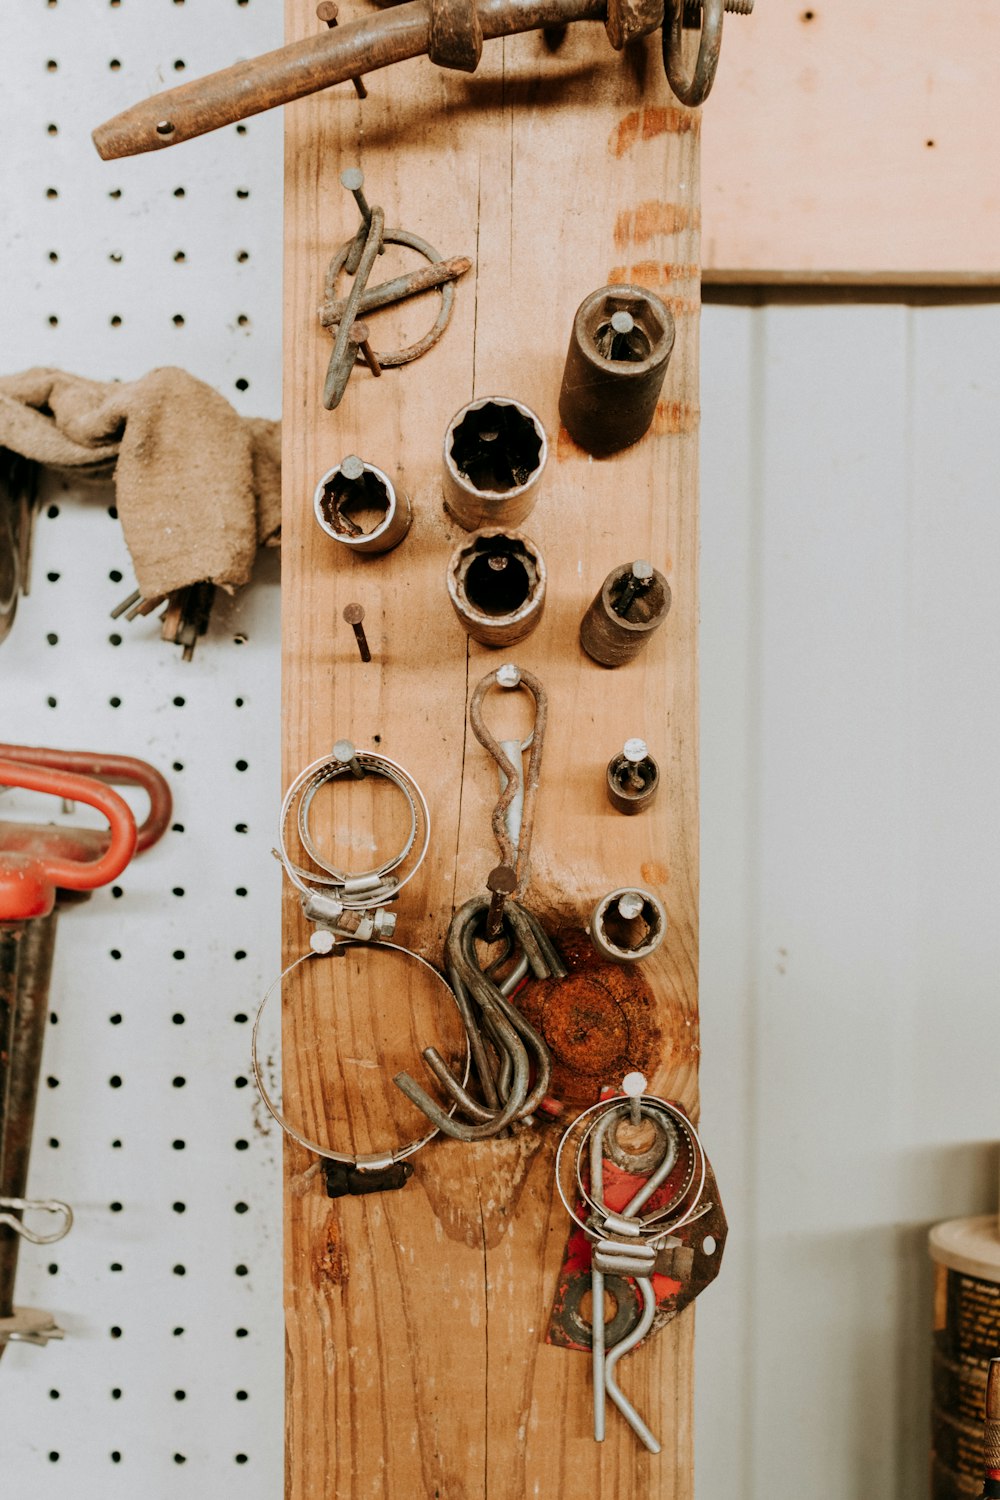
121 769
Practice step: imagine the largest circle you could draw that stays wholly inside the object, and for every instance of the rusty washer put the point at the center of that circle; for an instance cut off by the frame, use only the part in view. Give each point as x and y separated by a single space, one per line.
353 492
633 778
633 601
496 581
628 924
619 349
494 454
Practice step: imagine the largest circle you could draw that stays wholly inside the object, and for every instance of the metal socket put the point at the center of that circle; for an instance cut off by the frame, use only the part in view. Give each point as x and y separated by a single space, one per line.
633 778
611 638
494 453
496 582
619 349
357 504
628 924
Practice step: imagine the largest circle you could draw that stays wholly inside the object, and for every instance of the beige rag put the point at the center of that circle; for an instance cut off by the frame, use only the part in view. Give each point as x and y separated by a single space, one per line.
197 486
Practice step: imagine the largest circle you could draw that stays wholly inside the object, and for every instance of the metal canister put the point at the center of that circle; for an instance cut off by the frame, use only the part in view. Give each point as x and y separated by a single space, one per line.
633 602
494 454
619 349
354 492
496 583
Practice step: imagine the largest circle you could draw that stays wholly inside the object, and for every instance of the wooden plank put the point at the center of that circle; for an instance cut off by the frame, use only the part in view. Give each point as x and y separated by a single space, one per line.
415 1320
851 142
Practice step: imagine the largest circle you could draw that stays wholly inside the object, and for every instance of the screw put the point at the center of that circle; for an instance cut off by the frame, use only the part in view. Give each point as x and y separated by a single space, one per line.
501 882
354 614
358 336
345 752
634 1086
636 581
326 11
353 179
508 676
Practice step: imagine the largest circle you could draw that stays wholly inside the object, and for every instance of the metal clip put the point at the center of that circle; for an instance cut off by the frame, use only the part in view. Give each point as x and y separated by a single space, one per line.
36 1205
514 813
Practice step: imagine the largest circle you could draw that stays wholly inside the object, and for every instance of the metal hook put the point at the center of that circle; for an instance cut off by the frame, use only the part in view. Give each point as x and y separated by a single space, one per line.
36 1205
514 813
695 88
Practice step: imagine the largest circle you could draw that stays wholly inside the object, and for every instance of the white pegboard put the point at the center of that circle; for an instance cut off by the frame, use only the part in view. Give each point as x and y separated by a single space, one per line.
169 1381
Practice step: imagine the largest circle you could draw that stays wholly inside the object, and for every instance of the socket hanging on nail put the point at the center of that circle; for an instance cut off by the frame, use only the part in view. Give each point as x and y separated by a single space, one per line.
496 583
633 778
494 454
357 504
619 349
628 924
632 603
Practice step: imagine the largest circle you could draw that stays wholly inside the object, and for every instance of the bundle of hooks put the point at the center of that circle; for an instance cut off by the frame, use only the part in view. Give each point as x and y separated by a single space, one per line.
503 1044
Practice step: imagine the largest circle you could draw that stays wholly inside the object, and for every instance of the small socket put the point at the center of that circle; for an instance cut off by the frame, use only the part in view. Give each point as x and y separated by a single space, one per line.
628 924
619 349
356 504
632 603
633 778
496 583
494 453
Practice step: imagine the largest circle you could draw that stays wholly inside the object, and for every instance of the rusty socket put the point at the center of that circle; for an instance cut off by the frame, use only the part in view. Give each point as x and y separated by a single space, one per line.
628 924
494 454
633 779
612 639
612 381
496 583
353 485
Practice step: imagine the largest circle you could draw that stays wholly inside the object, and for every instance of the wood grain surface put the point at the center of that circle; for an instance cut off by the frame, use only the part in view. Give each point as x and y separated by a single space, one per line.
416 1361
849 142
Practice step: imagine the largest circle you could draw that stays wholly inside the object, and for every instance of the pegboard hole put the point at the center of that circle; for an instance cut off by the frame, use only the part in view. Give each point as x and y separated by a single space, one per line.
53 1019
242 384
179 1208
178 701
180 257
180 1270
242 765
116 1019
115 1208
709 1244
52 638
241 1458
177 1018
242 192
114 640
115 702
116 1265
115 1082
115 1332
52 1269
116 1458
116 1145
117 892
116 257
242 1270
115 320
178 1145
242 1333
53 1458
114 64
240 1018
115 576
242 256
241 130
52 702
180 192
239 955
240 890
242 1145
242 1395
116 1393
53 321
51 1082
53 256
115 193
179 1082
241 1208
178 1333
115 953
241 828
53 1143
52 129
178 320
240 639
177 765
240 1082
179 1458
178 890
178 954
51 66
177 828
53 1395
179 65
53 577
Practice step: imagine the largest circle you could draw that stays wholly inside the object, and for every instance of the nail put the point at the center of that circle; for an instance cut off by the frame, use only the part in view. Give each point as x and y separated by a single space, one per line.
635 752
354 614
326 11
501 883
634 1086
353 179
358 336
345 752
635 581
439 273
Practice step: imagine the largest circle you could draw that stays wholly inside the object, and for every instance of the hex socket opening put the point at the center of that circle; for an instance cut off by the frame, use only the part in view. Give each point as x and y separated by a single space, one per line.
497 581
653 326
355 507
646 604
496 447
628 924
631 347
630 934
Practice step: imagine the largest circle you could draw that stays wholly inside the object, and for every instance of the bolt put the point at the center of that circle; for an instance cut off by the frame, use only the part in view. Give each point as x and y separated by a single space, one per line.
354 614
358 336
345 752
353 179
636 581
630 905
634 1086
501 882
508 676
326 11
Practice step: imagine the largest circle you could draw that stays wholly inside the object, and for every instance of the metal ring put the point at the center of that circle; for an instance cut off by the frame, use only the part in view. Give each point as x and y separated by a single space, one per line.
696 89
397 357
374 1161
380 886
652 1106
603 1105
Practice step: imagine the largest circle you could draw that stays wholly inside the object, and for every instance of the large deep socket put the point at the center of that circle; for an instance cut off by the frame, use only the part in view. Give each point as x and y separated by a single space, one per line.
619 349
